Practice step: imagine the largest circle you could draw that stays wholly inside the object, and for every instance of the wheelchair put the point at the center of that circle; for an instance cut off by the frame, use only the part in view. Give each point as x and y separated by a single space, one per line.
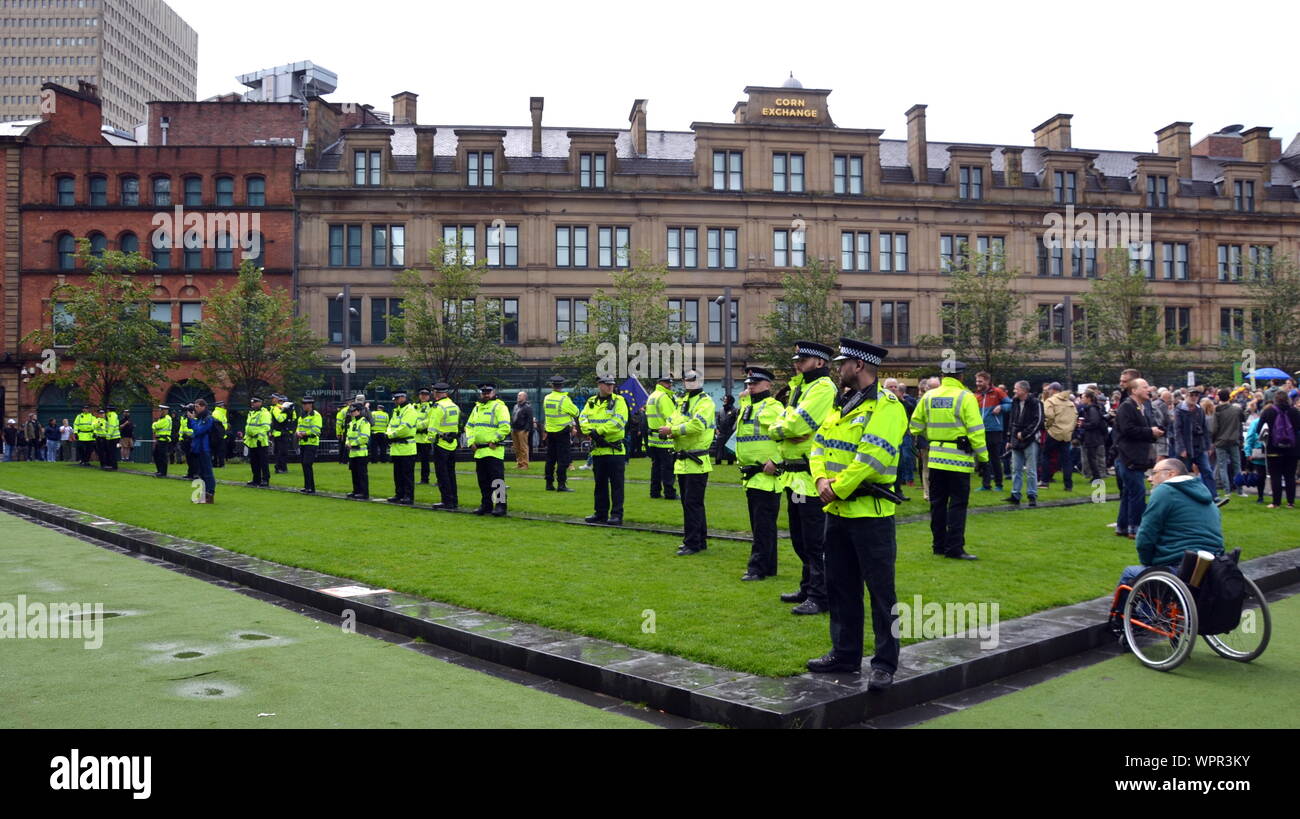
1159 621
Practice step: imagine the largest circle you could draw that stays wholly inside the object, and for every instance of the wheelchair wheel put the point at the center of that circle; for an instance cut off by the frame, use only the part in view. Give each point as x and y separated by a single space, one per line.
1160 621
1249 639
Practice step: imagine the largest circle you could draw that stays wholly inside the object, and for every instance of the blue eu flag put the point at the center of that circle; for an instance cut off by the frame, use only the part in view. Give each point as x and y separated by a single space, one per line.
635 394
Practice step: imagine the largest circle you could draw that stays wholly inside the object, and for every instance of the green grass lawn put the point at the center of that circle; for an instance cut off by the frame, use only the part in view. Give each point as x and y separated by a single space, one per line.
1205 692
527 492
305 675
598 582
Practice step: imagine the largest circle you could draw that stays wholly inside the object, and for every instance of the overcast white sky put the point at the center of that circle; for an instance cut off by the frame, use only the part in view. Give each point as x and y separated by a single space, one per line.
988 71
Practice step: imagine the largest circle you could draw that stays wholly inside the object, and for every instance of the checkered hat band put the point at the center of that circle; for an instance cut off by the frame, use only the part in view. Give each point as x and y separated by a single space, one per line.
809 351
870 358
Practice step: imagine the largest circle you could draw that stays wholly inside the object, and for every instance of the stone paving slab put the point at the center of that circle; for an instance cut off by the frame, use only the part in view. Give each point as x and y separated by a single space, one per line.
928 671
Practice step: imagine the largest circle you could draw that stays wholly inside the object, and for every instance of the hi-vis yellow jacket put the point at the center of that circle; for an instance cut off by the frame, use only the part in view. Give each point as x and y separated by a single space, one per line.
858 444
808 407
754 444
943 416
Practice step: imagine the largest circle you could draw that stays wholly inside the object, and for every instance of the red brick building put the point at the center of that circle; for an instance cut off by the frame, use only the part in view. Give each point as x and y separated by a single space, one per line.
79 182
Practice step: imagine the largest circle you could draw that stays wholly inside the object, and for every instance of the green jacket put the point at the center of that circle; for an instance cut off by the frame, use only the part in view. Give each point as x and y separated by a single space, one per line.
1180 515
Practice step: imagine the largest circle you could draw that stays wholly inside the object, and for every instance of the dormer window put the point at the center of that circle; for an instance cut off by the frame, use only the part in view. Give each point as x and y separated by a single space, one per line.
1064 185
591 170
367 167
970 182
1157 191
1243 195
480 169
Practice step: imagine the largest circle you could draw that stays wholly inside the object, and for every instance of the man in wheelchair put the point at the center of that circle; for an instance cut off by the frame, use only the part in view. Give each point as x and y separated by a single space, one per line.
1181 515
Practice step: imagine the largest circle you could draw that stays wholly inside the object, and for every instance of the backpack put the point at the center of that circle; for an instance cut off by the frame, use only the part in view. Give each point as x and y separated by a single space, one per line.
1283 430
1219 599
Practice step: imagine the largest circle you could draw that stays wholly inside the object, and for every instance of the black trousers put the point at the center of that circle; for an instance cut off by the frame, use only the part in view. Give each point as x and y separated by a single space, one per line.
308 466
949 497
343 452
219 453
403 477
661 472
695 523
993 470
862 550
808 537
422 455
764 506
1064 459
444 471
557 456
83 451
281 452
160 449
378 448
1281 475
110 452
609 471
191 463
257 457
490 470
360 476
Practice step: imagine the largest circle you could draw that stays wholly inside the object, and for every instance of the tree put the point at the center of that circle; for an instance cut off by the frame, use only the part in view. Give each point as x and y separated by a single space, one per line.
633 308
980 308
250 336
1273 315
445 330
807 310
115 352
1123 323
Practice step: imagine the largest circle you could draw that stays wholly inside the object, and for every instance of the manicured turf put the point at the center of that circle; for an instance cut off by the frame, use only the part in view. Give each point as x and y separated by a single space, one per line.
307 675
599 582
1205 692
527 492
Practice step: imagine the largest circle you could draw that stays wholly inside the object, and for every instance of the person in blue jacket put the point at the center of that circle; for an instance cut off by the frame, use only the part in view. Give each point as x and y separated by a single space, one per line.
200 421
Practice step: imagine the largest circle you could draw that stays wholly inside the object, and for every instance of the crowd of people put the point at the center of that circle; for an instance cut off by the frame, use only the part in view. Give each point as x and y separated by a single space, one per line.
55 441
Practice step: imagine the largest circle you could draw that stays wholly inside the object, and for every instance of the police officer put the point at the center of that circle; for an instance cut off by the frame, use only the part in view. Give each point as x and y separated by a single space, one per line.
187 442
949 418
98 430
423 449
112 434
341 421
854 457
220 433
691 429
85 428
279 436
257 432
559 414
378 434
812 396
444 429
488 429
308 432
757 455
401 444
659 408
357 436
604 421
162 439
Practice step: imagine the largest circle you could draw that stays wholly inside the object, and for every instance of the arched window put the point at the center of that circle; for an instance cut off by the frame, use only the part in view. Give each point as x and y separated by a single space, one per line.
130 191
161 252
67 190
225 192
193 191
98 244
98 190
255 189
128 243
225 254
162 191
67 249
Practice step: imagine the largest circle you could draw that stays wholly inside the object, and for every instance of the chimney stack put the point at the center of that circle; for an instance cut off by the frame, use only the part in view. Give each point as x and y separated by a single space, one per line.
637 120
424 147
917 151
1012 167
1175 139
1054 134
535 107
404 108
1255 145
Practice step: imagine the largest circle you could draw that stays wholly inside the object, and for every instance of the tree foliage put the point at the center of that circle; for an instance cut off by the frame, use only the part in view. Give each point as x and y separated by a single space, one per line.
634 307
985 325
101 330
249 335
1123 322
806 310
445 330
1272 315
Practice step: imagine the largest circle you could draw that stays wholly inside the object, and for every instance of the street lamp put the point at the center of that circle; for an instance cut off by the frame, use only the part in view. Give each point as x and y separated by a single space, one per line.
348 312
1067 319
724 317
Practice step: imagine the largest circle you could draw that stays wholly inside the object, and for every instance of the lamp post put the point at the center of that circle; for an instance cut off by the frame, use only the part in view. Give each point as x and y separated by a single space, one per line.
346 298
1067 333
724 317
